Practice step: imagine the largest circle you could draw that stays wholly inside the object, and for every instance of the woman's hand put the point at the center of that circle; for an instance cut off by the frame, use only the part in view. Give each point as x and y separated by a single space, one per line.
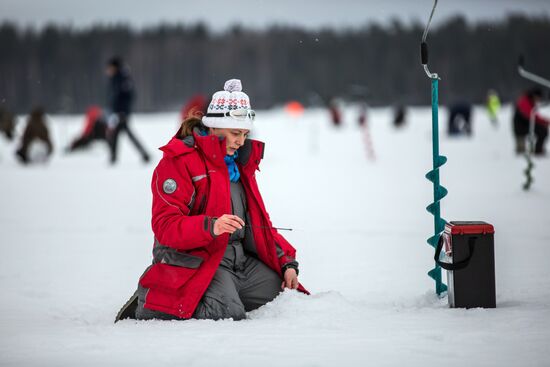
227 223
291 279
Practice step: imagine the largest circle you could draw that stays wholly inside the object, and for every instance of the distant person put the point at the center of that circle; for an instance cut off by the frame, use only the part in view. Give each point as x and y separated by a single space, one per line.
335 113
524 107
399 116
36 131
7 123
363 110
493 106
120 99
460 115
95 128
196 106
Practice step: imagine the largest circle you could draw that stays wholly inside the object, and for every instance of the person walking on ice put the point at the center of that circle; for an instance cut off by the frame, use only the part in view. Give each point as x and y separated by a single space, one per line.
216 254
120 95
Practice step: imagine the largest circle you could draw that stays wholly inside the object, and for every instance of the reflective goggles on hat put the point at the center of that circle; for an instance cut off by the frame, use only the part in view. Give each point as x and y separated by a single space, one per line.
238 114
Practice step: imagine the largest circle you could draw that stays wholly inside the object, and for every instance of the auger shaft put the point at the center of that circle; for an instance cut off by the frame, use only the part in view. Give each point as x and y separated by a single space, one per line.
529 151
439 192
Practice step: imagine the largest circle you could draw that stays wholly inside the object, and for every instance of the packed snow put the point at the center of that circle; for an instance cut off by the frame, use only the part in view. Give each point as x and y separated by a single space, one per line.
75 236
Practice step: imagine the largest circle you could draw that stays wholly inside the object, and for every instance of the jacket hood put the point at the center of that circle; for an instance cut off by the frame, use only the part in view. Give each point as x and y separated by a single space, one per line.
176 147
251 152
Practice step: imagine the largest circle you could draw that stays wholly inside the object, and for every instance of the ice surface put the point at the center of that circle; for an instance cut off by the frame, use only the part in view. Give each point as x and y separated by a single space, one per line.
75 237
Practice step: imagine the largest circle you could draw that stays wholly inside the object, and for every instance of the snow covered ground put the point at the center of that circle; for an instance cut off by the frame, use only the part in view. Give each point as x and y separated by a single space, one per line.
75 236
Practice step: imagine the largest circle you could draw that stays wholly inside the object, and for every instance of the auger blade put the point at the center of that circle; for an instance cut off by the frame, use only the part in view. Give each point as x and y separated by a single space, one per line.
432 241
441 192
431 175
435 274
441 160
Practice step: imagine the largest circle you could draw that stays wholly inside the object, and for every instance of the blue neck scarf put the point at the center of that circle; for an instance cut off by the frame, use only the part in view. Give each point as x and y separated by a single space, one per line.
234 174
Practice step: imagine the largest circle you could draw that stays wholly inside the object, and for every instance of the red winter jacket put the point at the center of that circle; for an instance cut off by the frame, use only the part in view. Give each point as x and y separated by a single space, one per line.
92 114
191 187
525 107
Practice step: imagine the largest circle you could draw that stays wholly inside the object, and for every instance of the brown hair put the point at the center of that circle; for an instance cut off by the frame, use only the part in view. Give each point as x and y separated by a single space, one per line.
192 121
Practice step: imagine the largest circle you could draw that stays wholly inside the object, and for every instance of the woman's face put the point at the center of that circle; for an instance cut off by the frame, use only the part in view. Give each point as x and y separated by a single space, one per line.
234 138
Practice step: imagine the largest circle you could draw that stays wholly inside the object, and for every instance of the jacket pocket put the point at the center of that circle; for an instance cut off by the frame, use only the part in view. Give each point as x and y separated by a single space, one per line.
166 277
166 255
202 205
171 272
199 205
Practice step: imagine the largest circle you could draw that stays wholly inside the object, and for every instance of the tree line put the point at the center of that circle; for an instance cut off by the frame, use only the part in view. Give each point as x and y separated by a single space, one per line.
62 68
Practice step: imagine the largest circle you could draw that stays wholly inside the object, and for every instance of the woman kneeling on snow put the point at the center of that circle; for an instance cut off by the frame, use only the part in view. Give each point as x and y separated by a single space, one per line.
216 254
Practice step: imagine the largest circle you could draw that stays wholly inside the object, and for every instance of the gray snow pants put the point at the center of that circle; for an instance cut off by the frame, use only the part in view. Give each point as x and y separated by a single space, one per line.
234 290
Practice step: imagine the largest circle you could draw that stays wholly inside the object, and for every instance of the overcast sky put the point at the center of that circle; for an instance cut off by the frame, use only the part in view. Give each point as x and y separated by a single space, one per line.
219 15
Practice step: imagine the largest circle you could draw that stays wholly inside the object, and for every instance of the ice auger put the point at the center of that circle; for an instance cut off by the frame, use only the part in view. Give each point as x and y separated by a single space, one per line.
439 192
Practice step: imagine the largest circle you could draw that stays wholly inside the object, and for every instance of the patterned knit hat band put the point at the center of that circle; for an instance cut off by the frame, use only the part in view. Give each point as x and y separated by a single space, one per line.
231 98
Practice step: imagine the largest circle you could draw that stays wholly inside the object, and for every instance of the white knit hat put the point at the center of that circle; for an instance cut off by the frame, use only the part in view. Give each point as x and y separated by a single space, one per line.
230 99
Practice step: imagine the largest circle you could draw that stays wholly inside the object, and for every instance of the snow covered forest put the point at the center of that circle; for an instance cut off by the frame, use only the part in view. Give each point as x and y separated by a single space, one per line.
62 68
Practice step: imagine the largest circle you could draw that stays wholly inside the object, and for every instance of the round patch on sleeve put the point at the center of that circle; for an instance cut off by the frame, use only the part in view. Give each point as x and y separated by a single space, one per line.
169 186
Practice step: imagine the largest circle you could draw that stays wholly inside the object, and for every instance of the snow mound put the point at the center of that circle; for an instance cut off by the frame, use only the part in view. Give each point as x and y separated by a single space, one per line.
294 305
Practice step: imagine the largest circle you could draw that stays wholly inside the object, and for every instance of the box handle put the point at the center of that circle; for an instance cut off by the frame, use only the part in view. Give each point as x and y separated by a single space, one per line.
458 265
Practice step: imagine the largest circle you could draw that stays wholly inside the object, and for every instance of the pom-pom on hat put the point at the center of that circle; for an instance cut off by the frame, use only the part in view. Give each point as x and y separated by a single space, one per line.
229 108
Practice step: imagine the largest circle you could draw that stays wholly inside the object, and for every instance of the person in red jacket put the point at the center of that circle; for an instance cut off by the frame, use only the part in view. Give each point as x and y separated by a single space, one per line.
522 114
95 128
216 254
196 106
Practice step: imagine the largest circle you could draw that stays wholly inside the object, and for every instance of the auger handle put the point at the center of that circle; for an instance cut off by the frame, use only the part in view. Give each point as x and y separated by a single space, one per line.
424 53
531 76
424 46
